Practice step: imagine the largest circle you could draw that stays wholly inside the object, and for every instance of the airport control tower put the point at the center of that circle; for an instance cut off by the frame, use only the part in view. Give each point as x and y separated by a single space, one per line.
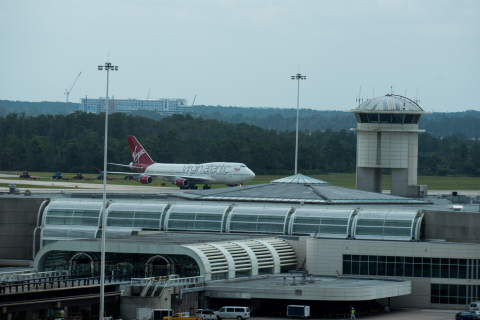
387 137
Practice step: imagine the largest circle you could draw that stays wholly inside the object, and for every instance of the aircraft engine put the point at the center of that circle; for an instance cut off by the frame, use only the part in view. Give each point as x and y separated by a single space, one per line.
182 183
145 180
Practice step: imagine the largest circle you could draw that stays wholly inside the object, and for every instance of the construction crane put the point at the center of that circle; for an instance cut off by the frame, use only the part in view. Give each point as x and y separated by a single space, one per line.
68 92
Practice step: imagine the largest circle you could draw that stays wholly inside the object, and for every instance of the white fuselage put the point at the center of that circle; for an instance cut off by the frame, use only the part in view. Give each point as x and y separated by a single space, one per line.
215 172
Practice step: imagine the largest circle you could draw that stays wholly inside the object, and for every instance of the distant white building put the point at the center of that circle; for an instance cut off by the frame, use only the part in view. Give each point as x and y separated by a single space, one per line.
167 106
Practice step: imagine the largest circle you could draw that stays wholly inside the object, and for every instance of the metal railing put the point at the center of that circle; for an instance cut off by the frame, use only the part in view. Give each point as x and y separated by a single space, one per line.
55 282
22 275
146 283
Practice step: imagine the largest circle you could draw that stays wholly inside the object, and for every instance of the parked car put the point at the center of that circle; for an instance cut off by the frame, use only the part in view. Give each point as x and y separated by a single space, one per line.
476 314
464 315
206 314
238 313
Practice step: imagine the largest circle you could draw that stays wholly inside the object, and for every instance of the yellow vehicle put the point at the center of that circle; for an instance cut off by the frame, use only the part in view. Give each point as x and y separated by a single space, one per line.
182 316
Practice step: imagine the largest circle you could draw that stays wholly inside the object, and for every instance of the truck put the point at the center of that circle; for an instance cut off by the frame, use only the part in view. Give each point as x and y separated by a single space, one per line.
206 314
182 316
298 311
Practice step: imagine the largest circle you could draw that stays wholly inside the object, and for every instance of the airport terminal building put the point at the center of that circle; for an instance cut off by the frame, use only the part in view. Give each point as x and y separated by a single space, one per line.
295 239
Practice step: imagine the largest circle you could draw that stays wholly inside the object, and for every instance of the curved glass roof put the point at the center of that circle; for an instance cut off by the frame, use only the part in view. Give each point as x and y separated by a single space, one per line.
386 225
258 220
299 179
135 215
389 102
73 213
195 218
325 223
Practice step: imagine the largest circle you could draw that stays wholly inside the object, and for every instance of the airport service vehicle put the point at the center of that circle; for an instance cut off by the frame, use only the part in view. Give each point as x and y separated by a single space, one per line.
474 305
185 176
79 176
182 316
298 311
238 313
476 314
464 315
206 314
57 176
25 175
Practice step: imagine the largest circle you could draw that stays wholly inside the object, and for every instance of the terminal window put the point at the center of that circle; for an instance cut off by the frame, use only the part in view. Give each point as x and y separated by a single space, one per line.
453 293
410 267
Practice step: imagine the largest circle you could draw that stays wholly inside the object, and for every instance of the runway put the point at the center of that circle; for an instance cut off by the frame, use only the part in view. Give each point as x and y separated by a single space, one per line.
61 186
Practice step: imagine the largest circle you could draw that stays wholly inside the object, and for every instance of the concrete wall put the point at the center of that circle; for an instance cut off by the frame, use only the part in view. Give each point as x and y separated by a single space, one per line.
129 304
18 219
300 247
452 226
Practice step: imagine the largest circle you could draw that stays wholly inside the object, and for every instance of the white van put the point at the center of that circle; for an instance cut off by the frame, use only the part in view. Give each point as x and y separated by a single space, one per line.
474 305
238 313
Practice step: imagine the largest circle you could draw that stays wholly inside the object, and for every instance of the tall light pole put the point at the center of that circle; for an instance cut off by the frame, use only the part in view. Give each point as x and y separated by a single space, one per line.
298 77
108 66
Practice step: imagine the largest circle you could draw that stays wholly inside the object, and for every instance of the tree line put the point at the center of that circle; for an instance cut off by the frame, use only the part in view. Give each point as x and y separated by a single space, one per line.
440 124
74 143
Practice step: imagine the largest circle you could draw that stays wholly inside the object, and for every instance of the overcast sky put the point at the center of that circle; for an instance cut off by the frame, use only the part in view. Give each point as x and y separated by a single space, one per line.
242 53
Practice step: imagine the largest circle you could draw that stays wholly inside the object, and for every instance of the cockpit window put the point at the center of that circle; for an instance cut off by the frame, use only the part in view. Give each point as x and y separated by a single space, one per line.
243 166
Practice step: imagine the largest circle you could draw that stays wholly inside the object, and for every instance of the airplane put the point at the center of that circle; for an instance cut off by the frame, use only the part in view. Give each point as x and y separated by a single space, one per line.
185 176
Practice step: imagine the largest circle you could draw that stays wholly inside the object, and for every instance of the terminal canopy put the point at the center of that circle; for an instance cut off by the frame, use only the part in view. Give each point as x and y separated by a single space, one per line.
195 218
326 223
387 225
258 220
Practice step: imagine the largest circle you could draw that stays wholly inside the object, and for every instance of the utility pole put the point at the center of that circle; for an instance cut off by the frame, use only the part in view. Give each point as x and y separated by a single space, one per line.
108 67
298 77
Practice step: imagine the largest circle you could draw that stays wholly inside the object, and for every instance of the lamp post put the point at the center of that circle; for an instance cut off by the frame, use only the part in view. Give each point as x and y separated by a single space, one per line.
298 77
108 66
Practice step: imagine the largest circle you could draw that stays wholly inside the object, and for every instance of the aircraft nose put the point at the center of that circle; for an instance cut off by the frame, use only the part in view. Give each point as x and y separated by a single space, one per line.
250 172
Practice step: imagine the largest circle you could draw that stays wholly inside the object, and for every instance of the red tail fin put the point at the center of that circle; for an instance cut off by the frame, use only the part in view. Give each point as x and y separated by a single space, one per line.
139 155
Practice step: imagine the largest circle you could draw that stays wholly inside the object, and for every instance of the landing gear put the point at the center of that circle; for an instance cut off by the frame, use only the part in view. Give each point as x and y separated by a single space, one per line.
193 187
206 187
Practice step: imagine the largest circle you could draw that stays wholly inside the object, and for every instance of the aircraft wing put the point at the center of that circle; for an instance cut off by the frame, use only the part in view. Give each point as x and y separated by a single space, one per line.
124 165
194 179
190 178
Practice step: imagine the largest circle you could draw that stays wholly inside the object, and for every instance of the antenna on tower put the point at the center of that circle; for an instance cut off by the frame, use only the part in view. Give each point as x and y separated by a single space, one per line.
359 94
148 95
391 89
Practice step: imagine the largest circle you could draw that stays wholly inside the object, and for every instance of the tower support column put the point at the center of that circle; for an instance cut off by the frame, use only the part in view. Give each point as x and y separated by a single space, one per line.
369 179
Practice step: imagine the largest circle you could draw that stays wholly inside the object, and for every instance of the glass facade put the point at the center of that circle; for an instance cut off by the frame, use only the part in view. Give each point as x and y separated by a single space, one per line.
65 220
393 118
454 293
324 222
198 218
258 220
169 106
411 267
133 265
387 225
147 216
70 213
